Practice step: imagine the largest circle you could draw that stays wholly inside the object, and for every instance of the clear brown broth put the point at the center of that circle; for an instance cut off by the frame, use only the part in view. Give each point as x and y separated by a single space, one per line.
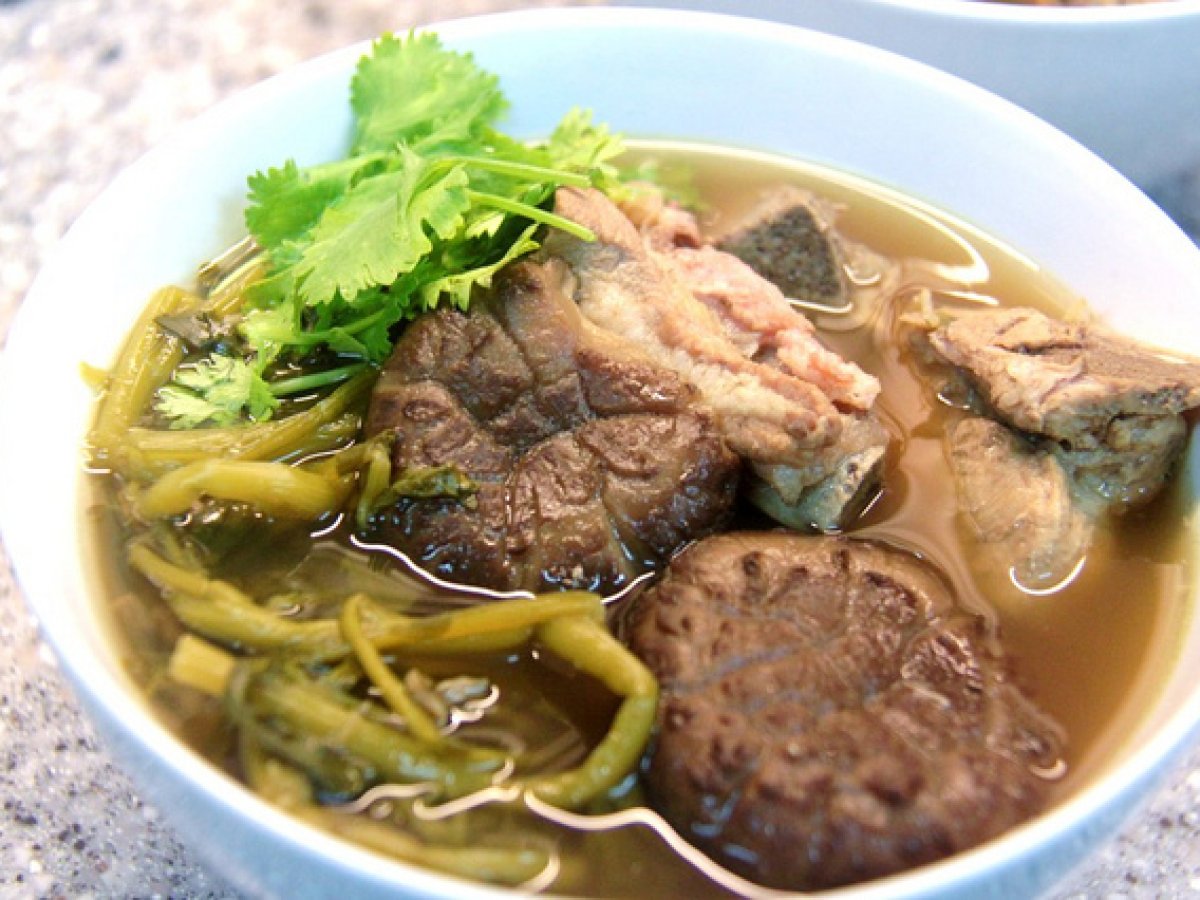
1092 654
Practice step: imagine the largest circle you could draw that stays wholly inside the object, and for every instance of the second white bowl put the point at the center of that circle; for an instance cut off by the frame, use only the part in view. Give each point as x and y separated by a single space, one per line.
1123 80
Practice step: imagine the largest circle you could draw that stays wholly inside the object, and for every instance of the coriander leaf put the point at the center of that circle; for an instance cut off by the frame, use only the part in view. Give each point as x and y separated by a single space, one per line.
458 281
218 390
376 231
363 329
286 202
441 200
484 223
430 203
580 145
414 91
280 285
183 409
268 330
357 243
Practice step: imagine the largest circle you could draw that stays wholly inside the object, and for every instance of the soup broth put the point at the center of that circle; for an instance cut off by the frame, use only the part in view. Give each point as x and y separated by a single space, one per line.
1090 652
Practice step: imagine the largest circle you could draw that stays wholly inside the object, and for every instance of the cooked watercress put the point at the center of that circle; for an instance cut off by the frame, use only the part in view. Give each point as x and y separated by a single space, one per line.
431 201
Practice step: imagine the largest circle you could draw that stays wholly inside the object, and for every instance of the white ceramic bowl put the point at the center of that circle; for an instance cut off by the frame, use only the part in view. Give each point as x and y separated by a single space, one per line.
1123 80
647 73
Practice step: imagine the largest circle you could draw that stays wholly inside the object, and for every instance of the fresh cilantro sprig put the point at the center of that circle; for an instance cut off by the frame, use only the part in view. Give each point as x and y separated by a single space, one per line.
431 201
217 390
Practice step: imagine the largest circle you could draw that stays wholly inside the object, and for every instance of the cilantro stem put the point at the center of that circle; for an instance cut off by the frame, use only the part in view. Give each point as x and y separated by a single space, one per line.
340 168
324 336
524 171
533 213
314 380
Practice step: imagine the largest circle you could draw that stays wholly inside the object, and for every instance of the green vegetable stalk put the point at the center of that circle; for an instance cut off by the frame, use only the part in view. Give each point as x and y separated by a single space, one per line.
261 382
568 624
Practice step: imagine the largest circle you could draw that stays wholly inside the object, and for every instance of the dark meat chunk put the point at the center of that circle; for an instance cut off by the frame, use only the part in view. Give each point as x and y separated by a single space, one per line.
794 410
788 240
1110 406
592 463
828 713
1017 500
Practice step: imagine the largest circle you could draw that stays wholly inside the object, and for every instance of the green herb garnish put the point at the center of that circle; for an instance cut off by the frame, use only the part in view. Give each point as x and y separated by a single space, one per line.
429 204
218 390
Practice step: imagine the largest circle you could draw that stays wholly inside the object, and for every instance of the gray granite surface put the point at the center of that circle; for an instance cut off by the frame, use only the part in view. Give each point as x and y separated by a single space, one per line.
85 87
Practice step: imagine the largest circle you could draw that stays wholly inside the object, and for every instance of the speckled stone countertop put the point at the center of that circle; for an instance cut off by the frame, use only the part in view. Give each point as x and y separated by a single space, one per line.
85 87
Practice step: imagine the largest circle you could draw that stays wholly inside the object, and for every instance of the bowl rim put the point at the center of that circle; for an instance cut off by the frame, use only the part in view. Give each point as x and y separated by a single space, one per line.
1051 17
100 688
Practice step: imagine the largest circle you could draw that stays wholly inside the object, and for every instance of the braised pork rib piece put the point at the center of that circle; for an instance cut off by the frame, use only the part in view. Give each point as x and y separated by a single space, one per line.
796 412
1111 407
